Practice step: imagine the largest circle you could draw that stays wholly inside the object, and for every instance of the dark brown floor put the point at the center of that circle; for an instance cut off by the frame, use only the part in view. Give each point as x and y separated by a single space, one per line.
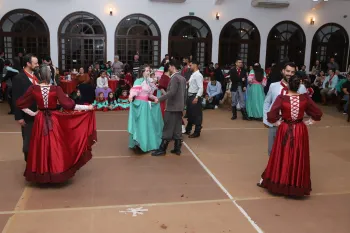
178 193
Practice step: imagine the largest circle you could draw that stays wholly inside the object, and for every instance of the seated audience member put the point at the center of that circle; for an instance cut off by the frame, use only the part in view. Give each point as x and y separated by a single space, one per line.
346 92
214 92
111 102
123 101
328 87
87 91
100 104
102 84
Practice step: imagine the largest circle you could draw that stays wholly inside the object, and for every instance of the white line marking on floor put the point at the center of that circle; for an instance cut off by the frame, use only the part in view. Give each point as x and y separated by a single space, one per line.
113 207
256 227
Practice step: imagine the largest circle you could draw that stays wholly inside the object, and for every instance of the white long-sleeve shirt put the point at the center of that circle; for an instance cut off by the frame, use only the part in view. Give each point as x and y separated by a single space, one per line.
196 84
102 82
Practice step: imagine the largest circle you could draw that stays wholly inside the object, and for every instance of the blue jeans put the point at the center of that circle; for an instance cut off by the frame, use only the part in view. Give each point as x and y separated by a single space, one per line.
346 98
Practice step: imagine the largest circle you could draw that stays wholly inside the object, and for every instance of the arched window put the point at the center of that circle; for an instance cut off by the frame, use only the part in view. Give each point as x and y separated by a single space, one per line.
330 40
24 31
190 35
286 40
81 40
140 34
239 38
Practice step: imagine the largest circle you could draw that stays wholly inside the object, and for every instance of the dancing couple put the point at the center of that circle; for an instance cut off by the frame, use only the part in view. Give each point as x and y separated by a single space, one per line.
145 126
288 169
55 144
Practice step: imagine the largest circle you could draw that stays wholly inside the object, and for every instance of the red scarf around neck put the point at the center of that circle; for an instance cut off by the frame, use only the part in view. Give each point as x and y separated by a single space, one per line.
32 77
285 89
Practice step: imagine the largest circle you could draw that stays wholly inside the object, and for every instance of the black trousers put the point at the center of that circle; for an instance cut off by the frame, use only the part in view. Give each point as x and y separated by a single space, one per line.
194 114
172 129
26 134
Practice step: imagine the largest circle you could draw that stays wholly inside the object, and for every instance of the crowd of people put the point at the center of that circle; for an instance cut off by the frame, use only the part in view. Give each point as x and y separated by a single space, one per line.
280 97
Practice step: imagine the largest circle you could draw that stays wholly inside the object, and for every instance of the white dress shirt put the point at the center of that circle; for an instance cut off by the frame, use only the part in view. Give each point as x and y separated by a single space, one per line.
196 84
102 82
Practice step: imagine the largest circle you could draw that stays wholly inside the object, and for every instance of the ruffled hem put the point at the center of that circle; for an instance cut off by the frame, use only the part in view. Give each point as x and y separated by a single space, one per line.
285 189
66 175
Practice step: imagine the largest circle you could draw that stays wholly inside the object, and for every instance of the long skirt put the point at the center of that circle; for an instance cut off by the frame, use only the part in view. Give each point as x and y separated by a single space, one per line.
145 125
288 169
255 101
58 149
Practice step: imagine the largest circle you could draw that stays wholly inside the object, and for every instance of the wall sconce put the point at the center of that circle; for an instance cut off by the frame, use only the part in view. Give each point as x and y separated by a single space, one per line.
312 21
217 16
110 11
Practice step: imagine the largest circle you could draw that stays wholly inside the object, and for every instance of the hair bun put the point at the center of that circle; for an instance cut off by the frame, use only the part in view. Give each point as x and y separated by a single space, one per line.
294 83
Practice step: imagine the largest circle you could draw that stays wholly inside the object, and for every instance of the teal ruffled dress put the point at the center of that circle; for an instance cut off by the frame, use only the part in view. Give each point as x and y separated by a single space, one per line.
256 97
145 123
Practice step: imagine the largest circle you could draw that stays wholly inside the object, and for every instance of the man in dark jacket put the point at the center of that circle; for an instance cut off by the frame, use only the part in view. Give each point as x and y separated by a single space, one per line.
20 84
238 76
175 97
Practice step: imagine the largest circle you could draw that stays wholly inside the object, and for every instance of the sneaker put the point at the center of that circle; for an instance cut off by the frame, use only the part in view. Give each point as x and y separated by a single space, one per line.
345 113
216 107
183 129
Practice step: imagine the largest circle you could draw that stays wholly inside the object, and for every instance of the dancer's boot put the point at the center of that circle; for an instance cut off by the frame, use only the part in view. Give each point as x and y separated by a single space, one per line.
162 148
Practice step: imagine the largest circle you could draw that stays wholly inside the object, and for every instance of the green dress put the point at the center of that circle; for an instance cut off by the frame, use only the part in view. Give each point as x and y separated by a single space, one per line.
145 123
256 97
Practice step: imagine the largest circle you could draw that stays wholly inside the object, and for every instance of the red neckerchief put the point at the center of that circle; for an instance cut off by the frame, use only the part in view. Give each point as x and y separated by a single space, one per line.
239 72
285 89
32 77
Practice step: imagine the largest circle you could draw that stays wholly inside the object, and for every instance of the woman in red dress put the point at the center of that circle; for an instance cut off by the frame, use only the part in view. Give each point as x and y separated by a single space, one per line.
60 142
288 170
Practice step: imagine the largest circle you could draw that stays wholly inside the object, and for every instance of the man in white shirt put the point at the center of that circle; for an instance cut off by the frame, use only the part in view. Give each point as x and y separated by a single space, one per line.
276 89
328 86
194 102
214 92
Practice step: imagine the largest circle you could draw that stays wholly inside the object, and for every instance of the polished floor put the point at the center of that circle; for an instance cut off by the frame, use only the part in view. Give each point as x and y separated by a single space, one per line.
211 188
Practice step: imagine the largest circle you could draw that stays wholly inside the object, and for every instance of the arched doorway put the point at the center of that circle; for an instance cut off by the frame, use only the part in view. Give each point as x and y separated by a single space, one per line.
286 40
239 38
24 31
330 40
191 35
81 41
140 34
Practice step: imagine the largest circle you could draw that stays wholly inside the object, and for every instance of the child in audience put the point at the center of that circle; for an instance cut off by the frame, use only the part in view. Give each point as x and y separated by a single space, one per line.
76 96
123 101
100 104
308 87
111 102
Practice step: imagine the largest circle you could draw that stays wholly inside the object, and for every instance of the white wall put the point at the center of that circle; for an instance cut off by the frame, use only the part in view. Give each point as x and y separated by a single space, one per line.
165 14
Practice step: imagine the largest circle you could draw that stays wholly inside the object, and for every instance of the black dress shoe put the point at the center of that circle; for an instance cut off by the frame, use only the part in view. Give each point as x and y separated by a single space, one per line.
194 135
162 148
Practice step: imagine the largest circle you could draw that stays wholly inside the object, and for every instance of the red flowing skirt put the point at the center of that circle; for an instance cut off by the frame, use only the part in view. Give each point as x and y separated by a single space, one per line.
288 169
55 157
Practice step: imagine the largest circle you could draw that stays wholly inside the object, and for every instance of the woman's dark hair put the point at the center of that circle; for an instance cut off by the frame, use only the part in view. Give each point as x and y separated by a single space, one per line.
109 99
142 69
45 74
166 67
258 73
307 83
294 83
